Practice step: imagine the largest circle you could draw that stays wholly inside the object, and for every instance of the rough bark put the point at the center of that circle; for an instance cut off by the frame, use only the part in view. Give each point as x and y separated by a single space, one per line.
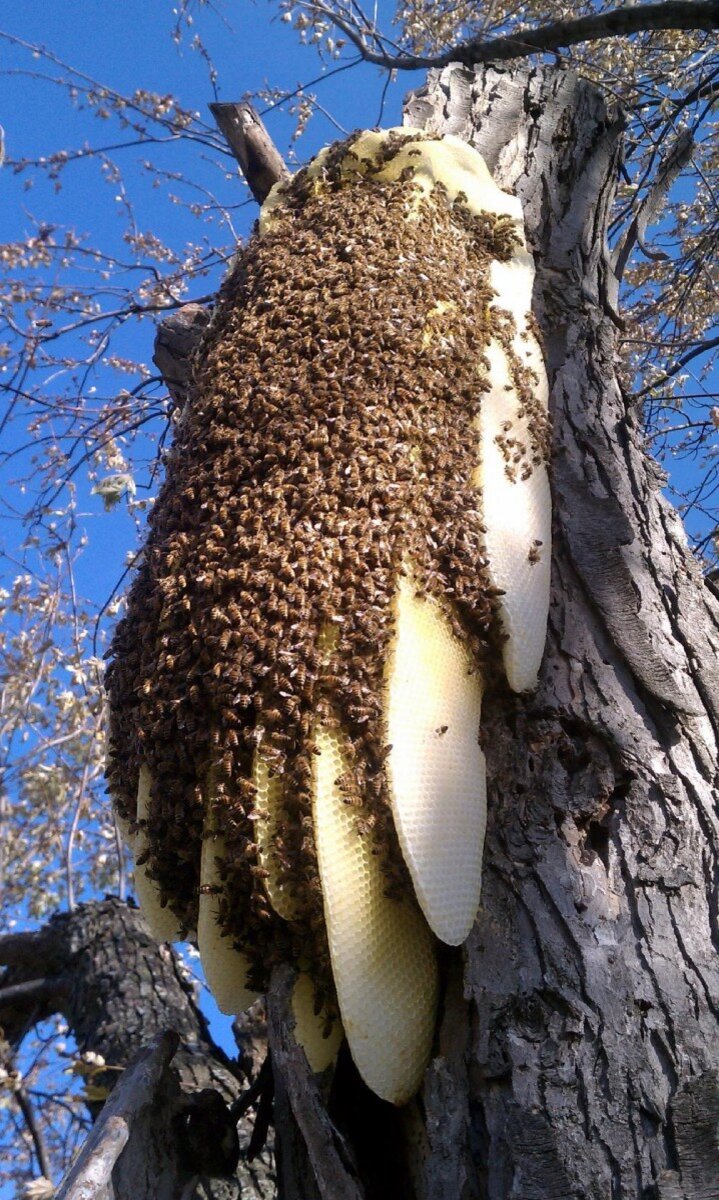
582 1059
176 340
118 990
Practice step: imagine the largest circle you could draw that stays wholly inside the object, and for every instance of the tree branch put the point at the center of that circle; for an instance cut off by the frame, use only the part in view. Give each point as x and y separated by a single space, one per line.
261 162
135 1089
620 22
19 949
674 161
29 989
702 348
28 1113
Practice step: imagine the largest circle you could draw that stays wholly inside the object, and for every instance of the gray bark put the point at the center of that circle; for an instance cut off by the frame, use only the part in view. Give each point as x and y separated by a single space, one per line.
176 341
260 160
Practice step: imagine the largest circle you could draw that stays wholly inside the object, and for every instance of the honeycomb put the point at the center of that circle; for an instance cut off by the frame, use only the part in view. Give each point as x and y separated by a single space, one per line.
381 949
517 509
512 477
269 829
320 598
435 766
319 1035
160 918
226 968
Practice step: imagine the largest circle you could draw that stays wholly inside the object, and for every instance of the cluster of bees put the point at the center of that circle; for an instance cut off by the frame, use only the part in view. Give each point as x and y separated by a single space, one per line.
330 438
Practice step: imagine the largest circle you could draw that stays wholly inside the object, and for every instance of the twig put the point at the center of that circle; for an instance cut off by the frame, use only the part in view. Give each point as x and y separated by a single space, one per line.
79 805
26 1108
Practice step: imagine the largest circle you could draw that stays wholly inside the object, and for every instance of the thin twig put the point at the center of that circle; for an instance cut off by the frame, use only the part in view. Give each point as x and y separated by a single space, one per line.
26 1108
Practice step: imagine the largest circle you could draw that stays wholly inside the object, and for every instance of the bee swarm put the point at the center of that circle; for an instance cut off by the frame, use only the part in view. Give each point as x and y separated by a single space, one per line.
330 453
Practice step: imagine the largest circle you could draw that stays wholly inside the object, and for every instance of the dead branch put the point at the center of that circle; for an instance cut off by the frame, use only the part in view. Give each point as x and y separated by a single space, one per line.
335 1172
136 1088
261 162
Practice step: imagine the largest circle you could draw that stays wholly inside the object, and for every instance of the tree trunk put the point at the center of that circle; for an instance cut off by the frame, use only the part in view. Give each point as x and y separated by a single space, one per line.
583 1061
578 1054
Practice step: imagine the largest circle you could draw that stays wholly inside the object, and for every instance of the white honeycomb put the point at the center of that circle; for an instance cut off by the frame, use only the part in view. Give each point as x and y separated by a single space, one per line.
268 801
518 518
381 950
225 967
162 922
436 768
321 1051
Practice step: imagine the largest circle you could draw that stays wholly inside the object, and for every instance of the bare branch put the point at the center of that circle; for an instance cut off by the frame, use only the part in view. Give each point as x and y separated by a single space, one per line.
702 348
673 163
30 989
136 1088
261 162
619 22
26 1108
20 949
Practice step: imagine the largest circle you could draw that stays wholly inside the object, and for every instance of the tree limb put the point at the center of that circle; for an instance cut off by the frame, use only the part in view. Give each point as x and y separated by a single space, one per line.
619 22
17 949
261 162
136 1088
673 163
30 989
701 348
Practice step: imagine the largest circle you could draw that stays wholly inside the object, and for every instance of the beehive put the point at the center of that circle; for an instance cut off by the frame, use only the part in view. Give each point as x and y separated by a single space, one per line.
352 537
